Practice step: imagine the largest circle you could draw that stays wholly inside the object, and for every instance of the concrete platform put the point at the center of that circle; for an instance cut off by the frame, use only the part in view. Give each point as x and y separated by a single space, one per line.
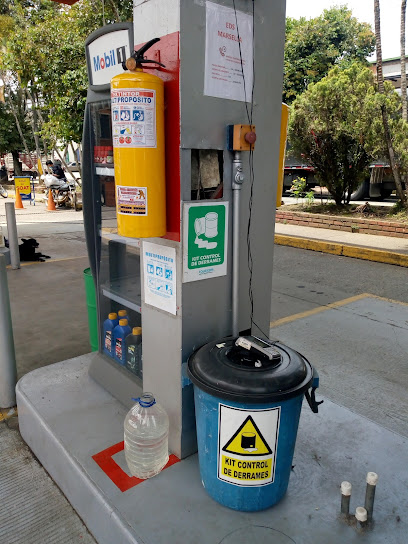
66 419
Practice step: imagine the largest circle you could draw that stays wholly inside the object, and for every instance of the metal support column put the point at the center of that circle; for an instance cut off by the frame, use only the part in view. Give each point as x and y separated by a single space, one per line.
12 235
8 370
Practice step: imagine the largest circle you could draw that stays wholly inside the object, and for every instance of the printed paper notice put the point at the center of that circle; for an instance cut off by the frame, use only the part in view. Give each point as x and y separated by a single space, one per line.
131 200
133 117
224 72
159 267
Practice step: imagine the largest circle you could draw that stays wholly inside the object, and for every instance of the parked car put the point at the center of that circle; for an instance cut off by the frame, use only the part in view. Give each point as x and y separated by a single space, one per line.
74 166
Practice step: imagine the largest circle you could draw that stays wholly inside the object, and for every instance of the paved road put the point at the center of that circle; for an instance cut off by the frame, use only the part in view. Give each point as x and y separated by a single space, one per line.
306 279
48 305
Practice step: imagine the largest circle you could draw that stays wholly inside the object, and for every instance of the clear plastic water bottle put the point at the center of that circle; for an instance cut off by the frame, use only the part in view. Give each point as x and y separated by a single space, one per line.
146 437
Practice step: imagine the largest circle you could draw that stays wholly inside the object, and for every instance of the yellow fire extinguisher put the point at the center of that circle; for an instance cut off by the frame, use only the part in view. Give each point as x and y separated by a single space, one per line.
138 141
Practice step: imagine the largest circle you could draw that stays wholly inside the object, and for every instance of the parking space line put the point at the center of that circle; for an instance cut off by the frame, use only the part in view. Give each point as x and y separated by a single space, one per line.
317 310
331 306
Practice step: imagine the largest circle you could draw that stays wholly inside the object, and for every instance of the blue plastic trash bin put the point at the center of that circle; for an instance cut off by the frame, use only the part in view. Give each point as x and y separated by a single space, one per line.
247 416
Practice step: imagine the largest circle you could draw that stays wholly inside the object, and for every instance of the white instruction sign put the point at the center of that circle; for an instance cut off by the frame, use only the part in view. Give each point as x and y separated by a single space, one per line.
247 444
159 268
228 53
133 117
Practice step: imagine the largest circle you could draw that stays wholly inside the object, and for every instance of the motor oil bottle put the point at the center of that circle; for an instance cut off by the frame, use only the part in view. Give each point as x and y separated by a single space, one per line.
108 326
119 334
122 314
133 344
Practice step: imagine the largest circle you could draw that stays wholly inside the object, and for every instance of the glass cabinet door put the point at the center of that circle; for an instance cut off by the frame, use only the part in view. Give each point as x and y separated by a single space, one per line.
119 286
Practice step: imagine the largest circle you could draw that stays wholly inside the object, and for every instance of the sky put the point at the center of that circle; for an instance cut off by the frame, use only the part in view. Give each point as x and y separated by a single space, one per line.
363 10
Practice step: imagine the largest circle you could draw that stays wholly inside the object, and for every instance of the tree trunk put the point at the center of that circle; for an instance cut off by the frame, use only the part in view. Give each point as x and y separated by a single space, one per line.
18 171
34 125
77 157
380 81
403 63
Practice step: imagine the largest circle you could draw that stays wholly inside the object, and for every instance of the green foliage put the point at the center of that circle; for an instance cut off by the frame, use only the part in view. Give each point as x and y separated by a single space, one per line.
336 125
314 46
310 197
298 187
10 140
44 52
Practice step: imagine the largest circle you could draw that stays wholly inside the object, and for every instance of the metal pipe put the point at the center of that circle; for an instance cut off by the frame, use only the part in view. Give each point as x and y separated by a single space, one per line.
8 370
12 236
372 479
237 180
345 498
361 516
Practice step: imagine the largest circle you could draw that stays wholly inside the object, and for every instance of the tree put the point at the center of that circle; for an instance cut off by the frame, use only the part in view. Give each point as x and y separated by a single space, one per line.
45 53
403 62
384 112
331 125
10 136
314 46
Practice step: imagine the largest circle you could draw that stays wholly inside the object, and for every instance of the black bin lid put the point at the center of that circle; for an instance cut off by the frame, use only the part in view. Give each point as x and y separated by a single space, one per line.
233 373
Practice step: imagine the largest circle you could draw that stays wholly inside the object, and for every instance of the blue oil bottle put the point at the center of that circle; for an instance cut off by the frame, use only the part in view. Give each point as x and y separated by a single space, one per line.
108 326
119 334
122 314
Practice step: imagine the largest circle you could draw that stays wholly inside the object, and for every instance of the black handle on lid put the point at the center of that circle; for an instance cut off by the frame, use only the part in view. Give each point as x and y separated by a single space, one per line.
311 397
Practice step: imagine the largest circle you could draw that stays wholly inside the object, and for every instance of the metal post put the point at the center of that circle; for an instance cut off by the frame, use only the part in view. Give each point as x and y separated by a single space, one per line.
345 498
12 235
237 180
8 370
361 516
372 479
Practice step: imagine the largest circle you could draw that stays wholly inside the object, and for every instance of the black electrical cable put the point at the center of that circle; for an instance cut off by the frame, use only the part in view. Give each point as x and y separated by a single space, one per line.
251 160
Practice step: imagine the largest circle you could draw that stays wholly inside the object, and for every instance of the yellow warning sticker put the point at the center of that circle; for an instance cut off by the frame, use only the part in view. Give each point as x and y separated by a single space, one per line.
248 440
247 443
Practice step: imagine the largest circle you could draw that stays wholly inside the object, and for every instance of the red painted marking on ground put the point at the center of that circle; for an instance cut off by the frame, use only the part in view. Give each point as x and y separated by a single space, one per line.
105 461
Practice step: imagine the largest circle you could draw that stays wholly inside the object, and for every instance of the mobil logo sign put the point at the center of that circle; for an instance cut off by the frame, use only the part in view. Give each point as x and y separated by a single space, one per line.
105 55
109 58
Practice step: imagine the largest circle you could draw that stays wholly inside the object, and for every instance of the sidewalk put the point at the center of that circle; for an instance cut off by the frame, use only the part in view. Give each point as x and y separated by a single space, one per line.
384 249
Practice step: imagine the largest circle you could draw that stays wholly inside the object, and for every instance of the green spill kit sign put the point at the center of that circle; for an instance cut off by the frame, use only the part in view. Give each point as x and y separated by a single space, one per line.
205 240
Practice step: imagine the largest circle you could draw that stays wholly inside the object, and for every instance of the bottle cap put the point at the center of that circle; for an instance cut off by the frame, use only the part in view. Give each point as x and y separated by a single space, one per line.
123 322
137 331
113 315
122 313
146 400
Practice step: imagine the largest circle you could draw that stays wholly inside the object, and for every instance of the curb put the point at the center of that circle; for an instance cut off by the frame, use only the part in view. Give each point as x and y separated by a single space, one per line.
343 250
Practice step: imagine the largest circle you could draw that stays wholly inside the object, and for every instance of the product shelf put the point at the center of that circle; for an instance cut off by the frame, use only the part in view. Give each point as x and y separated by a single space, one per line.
124 291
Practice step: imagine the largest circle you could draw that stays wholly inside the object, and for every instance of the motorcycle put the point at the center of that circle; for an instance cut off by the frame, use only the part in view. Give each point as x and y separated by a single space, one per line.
63 191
